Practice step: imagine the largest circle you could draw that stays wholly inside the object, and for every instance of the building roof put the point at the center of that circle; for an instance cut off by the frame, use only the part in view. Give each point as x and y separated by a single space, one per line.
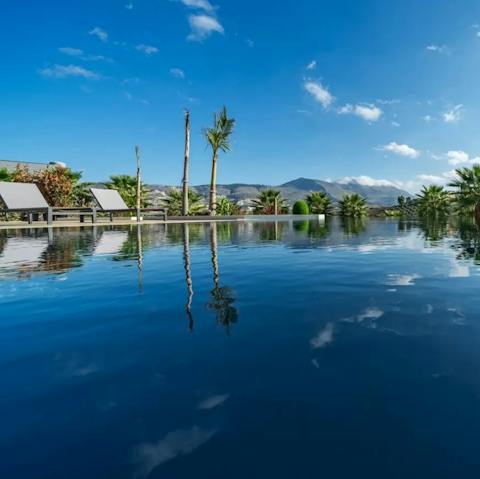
11 166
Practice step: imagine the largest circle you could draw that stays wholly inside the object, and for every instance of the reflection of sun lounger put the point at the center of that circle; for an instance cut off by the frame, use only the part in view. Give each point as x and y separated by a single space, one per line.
110 201
23 252
27 198
111 242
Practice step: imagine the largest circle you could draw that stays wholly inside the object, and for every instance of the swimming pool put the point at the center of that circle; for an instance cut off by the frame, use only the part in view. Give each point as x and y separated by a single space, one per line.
261 349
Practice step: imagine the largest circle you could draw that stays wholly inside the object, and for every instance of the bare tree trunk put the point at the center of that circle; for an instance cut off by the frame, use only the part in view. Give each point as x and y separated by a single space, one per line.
139 188
477 214
186 164
213 186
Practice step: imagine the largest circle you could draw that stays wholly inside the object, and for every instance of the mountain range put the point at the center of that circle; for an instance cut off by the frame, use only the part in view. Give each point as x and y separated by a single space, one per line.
384 195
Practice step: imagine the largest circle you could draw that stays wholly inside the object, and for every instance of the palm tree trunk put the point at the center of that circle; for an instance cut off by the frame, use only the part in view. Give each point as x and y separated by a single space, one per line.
186 164
139 188
213 185
477 214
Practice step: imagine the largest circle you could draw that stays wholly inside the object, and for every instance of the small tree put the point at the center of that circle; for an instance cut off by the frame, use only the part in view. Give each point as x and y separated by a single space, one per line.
5 175
433 200
319 203
266 202
353 206
174 203
300 207
225 207
126 185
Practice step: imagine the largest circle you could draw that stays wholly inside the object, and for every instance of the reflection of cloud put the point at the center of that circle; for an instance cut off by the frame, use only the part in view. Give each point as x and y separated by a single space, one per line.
213 401
369 313
402 279
324 337
457 270
149 456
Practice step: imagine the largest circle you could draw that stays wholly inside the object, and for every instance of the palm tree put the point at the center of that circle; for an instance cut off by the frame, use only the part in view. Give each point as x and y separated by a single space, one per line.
319 203
266 202
126 185
353 206
468 190
433 200
174 203
218 137
186 165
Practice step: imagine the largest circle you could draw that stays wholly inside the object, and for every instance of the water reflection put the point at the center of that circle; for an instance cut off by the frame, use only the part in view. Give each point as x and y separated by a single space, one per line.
188 274
222 297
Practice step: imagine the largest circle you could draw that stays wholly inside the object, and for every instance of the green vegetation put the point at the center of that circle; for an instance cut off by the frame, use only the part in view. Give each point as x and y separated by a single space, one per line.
353 206
433 200
319 203
467 193
126 185
300 207
225 207
266 202
173 202
218 137
5 175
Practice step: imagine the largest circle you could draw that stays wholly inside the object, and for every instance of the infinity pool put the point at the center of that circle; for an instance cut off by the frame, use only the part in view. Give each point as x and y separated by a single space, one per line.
234 350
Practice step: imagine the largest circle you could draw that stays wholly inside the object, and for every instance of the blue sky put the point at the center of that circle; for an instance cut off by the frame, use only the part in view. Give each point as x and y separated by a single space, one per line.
374 90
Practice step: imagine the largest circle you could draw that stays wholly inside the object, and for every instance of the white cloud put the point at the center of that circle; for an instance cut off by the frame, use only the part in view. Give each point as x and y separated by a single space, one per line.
402 150
78 53
199 4
427 118
320 93
368 113
453 115
177 73
65 71
431 178
72 52
312 65
129 6
98 32
324 337
459 157
437 48
147 49
203 26
250 42
365 181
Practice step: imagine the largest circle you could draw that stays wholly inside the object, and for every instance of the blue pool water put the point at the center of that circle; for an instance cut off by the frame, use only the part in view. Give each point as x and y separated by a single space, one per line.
274 349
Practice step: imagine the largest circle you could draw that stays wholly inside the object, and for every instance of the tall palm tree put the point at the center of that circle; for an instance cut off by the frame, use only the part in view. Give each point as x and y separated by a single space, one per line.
468 190
186 164
266 202
319 203
353 206
138 184
174 203
433 200
218 137
126 186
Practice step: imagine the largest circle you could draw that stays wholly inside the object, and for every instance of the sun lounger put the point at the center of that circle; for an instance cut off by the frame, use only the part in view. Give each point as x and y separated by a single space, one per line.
26 198
110 201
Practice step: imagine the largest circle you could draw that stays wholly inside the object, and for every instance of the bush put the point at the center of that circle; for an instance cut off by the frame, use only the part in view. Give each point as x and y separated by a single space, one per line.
301 208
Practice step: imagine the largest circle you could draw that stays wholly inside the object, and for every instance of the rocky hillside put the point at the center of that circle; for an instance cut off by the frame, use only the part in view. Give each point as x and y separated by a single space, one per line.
296 189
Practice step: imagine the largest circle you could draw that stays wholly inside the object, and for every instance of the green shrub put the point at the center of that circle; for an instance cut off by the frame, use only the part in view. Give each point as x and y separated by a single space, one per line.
301 208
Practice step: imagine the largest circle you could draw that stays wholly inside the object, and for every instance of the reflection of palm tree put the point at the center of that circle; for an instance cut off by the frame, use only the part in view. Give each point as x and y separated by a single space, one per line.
140 258
222 298
434 227
353 226
188 274
469 246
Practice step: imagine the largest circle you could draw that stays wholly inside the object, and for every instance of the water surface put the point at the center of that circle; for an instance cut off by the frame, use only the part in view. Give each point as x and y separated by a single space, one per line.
274 349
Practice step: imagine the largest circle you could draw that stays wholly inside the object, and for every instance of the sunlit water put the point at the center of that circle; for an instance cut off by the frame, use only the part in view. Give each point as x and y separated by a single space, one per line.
282 350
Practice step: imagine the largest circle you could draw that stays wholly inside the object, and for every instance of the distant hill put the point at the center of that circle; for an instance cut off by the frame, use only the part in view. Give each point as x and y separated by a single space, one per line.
297 189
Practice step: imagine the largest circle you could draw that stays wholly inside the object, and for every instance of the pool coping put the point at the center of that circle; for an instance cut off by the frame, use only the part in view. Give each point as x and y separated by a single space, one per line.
7 225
